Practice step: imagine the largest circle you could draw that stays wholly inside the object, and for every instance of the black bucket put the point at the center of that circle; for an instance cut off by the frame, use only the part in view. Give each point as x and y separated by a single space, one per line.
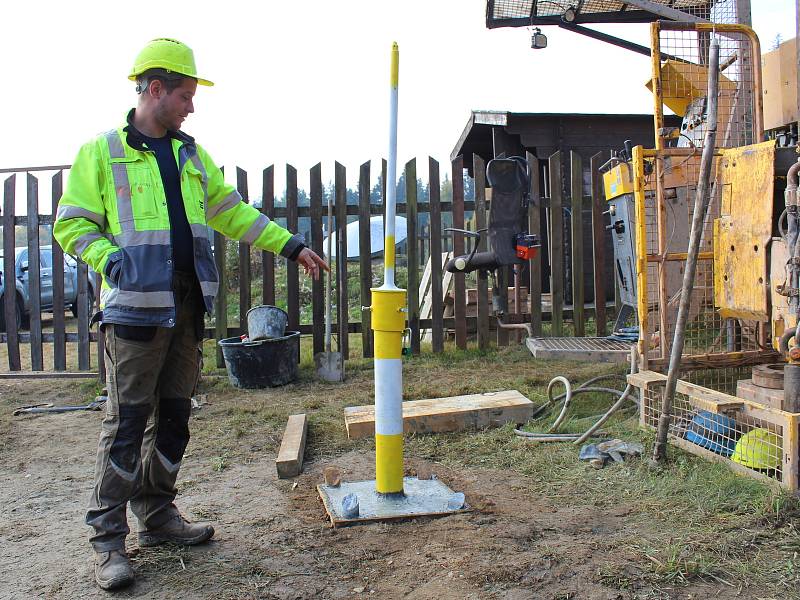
264 363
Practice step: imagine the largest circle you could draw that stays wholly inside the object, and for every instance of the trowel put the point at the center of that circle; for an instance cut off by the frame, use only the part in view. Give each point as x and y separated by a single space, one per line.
330 365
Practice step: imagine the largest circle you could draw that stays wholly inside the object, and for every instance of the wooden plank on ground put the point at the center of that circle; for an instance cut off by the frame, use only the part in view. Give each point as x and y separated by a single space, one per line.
598 245
456 413
412 258
317 241
365 258
556 247
10 300
483 312
293 445
576 191
267 258
437 331
460 292
292 268
244 256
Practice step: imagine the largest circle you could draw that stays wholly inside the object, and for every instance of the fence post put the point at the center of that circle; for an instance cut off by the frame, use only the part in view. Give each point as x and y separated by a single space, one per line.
244 257
59 330
84 354
34 275
340 187
556 247
460 286
292 269
221 308
535 263
10 300
479 169
576 190
101 342
365 258
412 262
437 316
267 258
317 285
598 246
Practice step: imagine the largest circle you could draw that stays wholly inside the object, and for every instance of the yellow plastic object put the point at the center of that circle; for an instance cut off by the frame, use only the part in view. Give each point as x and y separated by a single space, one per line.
683 82
745 176
758 449
618 181
169 54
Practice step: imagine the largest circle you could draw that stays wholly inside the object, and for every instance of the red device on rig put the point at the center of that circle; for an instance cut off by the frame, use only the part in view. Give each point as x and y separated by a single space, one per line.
526 244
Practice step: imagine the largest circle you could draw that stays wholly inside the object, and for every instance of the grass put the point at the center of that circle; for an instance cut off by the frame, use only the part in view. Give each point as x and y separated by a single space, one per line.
717 526
710 524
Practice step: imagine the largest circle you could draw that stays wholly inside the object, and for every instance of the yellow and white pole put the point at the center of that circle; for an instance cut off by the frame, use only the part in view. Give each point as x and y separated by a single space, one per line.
388 323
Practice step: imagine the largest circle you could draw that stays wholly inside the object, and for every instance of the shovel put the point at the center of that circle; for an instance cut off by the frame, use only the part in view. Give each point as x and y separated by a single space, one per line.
330 365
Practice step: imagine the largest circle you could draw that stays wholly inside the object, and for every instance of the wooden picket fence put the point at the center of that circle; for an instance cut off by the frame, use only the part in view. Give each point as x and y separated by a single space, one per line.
422 244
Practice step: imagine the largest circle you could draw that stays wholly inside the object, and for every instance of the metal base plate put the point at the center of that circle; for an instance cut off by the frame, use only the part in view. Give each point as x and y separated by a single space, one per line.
422 498
594 349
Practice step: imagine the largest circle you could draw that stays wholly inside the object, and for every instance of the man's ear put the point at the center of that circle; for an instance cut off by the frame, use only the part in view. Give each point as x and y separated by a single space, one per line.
156 88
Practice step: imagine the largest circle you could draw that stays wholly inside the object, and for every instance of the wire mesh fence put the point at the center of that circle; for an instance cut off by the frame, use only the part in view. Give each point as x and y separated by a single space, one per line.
752 439
669 185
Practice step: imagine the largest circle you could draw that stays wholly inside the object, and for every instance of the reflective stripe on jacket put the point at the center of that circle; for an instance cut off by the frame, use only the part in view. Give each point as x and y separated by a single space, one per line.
114 207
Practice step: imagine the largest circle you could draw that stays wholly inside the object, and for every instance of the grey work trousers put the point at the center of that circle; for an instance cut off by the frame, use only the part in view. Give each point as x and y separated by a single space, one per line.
152 374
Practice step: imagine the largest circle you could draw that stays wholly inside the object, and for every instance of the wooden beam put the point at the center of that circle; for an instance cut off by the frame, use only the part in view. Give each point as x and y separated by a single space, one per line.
483 312
244 255
598 245
365 258
293 445
556 247
576 192
456 413
49 375
535 263
460 291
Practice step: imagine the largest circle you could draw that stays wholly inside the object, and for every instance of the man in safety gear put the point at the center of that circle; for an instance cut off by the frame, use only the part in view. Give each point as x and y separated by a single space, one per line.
137 207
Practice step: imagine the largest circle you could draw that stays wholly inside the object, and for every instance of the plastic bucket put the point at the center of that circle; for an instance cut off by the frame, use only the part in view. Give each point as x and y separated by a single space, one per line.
266 322
263 363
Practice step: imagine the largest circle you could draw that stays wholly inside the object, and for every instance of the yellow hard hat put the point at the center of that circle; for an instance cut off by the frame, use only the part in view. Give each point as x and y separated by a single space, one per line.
758 449
165 53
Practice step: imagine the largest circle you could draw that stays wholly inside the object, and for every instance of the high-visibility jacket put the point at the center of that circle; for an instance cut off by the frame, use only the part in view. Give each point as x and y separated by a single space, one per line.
114 209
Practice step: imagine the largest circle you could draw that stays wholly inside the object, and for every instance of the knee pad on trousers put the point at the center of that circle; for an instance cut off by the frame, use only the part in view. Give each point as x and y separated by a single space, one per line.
173 427
126 449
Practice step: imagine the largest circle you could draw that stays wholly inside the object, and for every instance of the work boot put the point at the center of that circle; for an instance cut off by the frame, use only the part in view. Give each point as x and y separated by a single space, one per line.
177 531
112 569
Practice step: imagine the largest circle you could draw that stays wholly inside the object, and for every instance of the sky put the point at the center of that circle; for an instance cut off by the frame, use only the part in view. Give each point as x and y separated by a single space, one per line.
303 82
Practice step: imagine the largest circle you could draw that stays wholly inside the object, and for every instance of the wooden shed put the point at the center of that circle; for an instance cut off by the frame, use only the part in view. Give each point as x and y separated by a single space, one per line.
490 133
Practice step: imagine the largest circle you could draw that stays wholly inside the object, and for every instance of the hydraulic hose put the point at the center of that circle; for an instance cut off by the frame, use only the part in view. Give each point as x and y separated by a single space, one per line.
577 438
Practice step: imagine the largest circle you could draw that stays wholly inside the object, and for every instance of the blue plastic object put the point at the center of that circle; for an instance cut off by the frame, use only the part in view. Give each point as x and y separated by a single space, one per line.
714 432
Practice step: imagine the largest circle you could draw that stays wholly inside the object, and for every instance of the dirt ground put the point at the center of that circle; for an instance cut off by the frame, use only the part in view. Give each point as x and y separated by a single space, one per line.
272 538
